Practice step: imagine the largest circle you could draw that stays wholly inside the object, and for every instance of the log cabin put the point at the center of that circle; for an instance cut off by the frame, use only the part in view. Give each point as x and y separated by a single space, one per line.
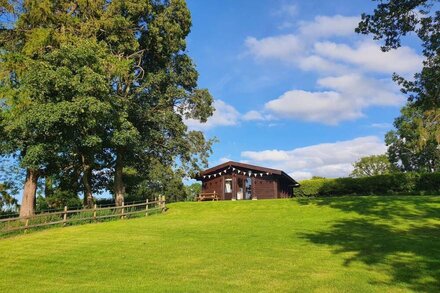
239 181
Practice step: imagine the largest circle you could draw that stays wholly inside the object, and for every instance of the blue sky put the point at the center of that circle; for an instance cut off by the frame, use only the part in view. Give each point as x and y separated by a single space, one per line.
295 88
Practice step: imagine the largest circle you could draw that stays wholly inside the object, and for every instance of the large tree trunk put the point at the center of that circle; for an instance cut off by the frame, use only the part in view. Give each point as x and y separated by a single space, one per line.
87 183
119 182
30 190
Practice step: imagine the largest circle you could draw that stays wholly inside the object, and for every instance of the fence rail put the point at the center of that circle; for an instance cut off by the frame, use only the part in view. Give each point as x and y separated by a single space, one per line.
77 215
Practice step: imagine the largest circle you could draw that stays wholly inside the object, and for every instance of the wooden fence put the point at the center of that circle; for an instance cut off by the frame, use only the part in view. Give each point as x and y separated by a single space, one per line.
69 217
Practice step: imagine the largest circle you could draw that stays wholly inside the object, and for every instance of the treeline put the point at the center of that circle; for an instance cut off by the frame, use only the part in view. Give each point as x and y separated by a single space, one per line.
94 94
409 183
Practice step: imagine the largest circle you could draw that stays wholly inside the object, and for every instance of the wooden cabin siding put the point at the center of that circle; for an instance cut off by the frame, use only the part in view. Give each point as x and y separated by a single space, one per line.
214 185
285 191
266 183
263 187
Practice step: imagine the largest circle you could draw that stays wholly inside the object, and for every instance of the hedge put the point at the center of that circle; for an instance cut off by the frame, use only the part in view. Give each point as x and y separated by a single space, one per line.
392 184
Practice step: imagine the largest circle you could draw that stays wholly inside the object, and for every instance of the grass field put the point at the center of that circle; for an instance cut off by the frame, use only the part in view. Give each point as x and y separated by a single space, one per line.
347 244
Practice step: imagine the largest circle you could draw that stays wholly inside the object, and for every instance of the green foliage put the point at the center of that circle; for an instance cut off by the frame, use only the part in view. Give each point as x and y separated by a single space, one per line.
155 181
415 145
394 19
404 148
396 183
311 187
7 201
192 191
58 200
372 166
89 89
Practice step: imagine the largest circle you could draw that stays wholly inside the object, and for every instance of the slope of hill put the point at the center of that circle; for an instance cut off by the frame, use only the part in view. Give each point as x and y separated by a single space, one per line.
364 244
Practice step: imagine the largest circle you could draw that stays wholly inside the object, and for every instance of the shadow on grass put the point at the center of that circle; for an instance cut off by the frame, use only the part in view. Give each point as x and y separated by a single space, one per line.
383 207
398 234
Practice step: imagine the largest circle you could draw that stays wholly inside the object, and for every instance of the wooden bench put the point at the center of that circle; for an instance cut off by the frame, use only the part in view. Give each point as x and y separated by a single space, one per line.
208 196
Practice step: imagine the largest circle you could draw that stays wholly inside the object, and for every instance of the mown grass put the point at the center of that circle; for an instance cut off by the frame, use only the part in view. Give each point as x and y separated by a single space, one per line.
346 244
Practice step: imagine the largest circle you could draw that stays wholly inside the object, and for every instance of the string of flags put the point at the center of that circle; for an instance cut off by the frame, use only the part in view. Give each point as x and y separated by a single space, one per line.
237 171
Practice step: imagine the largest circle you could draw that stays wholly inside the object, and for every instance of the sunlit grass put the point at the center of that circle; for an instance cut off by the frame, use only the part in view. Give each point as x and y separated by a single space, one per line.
347 244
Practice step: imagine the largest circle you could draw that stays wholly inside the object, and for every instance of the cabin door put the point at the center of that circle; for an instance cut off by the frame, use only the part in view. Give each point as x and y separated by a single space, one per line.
240 188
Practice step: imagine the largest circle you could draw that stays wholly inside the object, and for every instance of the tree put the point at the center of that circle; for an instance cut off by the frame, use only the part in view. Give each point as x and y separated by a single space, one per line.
159 91
192 191
405 151
372 166
89 89
55 103
391 21
6 199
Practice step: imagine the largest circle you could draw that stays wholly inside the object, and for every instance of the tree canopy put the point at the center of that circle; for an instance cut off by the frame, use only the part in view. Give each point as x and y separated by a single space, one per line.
415 144
92 89
372 166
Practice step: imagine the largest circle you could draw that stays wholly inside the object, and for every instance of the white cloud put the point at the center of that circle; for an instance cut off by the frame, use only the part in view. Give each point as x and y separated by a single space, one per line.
284 47
368 56
224 115
343 98
256 116
223 160
327 107
292 47
311 48
365 91
253 116
300 175
269 155
329 26
347 96
319 64
327 159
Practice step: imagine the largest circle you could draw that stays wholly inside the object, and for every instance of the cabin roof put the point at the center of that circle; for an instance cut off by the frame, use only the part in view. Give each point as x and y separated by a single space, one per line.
248 167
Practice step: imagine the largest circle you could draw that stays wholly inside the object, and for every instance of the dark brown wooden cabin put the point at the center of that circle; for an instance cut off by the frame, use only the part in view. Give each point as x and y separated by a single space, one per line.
238 181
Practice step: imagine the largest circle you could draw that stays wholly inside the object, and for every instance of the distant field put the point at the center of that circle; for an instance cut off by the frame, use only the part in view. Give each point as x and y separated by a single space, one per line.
346 244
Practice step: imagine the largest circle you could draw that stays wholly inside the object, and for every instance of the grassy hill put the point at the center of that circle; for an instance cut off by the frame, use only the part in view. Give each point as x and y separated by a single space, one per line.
347 244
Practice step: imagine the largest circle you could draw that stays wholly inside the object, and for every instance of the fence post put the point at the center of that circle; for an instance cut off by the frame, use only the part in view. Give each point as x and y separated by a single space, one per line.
122 211
163 203
94 212
146 207
65 216
26 225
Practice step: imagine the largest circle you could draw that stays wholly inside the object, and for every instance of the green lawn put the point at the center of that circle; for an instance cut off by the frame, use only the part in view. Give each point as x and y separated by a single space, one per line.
347 244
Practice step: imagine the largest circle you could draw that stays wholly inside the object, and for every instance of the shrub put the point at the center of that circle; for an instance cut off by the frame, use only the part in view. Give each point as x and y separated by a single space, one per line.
398 183
312 187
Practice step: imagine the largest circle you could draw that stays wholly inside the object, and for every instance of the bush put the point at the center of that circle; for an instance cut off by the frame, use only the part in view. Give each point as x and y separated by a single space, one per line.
390 184
311 187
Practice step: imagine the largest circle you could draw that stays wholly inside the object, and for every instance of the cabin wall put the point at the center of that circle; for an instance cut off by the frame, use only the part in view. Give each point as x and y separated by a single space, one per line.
285 190
214 184
264 187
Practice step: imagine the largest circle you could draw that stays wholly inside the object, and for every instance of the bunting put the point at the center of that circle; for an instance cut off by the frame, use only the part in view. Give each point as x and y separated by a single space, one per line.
249 173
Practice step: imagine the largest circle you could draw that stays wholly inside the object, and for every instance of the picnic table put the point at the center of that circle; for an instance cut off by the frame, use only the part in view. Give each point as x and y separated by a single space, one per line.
208 196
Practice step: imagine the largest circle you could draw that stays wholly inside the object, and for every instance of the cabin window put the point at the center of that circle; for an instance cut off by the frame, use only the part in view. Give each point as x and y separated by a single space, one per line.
248 185
228 186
